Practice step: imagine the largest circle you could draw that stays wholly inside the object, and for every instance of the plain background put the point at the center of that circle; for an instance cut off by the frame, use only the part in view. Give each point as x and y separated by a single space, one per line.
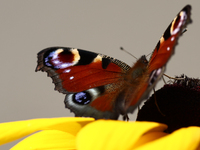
100 26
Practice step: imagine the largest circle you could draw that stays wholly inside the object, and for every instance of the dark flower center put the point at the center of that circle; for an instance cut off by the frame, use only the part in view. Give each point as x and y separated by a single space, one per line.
179 102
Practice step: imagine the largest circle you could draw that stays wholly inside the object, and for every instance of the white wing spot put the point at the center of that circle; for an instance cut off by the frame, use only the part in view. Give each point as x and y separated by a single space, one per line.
172 39
72 77
67 70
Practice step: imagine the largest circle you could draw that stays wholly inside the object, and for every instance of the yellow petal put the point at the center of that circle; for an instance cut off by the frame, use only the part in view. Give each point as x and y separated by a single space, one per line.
148 137
114 135
11 131
182 139
47 140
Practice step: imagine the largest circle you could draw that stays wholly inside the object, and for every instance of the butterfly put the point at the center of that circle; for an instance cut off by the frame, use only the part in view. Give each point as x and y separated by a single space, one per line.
103 87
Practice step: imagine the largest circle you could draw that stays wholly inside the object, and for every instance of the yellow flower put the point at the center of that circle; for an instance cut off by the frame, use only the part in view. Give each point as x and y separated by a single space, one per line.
87 134
55 133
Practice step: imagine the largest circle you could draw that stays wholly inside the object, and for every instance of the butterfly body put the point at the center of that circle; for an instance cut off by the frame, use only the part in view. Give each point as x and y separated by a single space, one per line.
100 86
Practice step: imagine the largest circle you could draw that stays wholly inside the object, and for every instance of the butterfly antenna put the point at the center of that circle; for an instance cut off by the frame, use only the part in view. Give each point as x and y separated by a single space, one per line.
121 48
157 103
149 54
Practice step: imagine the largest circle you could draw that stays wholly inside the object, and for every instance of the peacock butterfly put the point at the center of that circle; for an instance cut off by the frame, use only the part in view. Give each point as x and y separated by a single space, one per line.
100 86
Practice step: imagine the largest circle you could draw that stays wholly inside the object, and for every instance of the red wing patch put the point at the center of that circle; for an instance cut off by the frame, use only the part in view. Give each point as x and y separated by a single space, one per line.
81 78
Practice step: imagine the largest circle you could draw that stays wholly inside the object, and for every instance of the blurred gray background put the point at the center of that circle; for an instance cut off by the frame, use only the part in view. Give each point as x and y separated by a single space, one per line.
100 26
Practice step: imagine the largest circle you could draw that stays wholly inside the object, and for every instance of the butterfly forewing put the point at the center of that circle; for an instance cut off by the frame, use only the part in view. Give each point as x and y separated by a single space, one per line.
165 46
90 80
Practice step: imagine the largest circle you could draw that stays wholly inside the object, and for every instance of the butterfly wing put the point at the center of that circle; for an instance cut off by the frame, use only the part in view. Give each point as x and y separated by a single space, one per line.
165 46
90 80
149 76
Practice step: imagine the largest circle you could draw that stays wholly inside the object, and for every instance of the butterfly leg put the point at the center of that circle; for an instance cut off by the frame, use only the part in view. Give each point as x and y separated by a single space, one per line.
173 77
157 103
138 109
125 117
164 80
